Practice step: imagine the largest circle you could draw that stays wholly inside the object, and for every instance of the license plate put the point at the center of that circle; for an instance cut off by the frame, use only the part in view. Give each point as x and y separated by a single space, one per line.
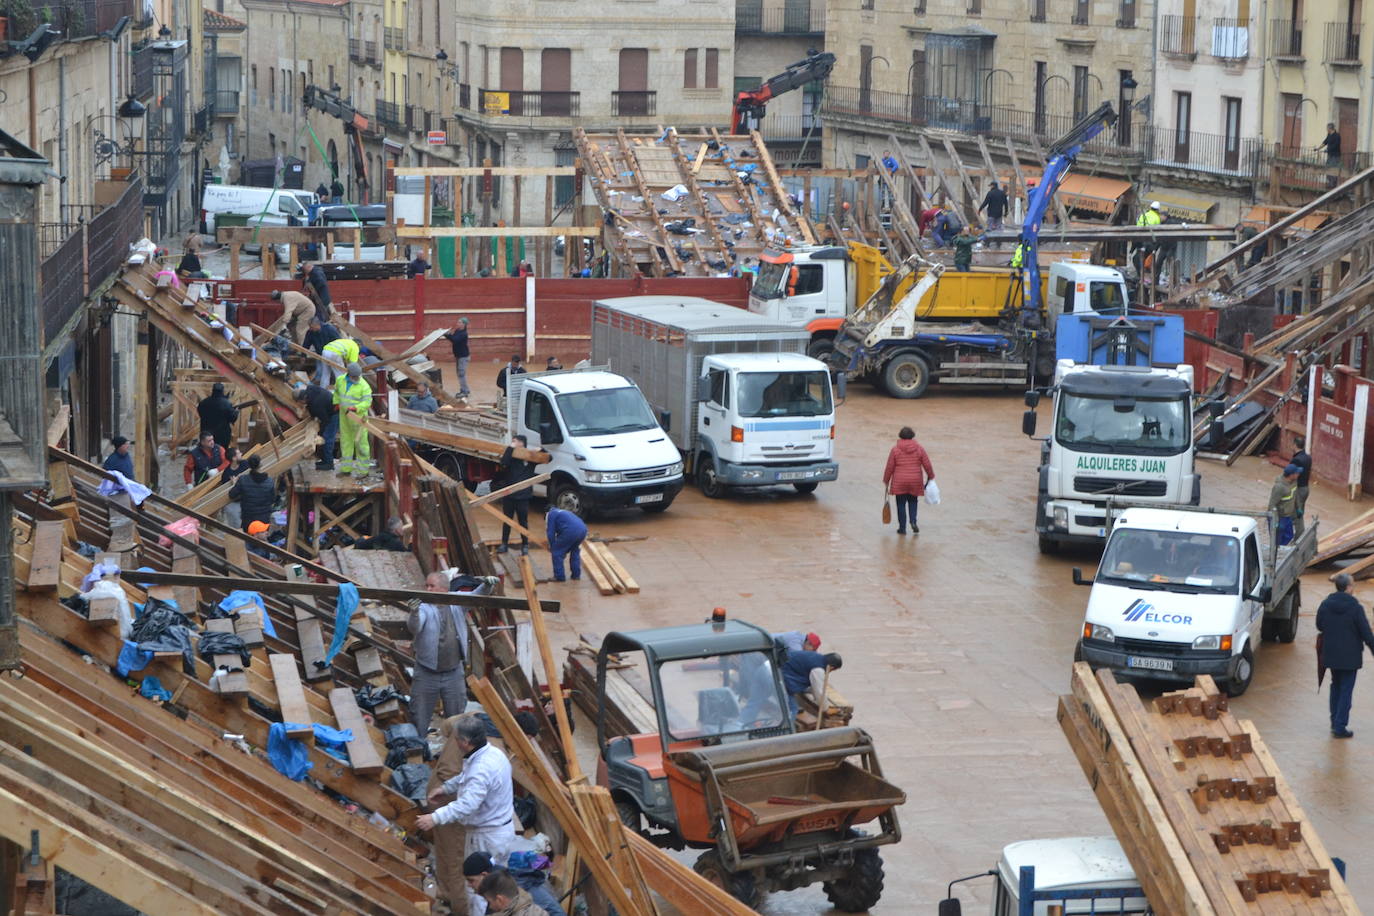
649 498
793 475
1154 664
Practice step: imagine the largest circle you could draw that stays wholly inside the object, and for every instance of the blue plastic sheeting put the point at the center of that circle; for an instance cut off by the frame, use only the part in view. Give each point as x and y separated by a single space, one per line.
333 741
152 689
290 757
131 659
240 598
343 613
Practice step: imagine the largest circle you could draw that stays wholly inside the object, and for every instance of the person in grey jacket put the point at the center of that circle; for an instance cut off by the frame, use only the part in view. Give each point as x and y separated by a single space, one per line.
1344 632
440 637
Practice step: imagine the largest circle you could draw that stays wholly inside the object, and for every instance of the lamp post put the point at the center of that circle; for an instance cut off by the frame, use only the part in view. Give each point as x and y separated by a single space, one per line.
1123 124
108 147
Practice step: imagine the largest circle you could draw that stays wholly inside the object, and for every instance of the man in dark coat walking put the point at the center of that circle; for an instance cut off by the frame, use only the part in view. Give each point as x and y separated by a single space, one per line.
256 494
1345 632
217 415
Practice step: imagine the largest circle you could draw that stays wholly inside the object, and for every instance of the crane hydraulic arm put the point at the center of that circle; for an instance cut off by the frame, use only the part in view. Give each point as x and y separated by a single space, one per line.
751 103
354 125
1062 156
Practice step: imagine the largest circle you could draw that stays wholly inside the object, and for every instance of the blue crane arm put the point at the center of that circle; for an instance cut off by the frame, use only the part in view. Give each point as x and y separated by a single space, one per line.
1062 156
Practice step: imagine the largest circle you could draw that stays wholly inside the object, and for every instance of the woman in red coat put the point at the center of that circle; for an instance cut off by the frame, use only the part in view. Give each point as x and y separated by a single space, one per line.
908 469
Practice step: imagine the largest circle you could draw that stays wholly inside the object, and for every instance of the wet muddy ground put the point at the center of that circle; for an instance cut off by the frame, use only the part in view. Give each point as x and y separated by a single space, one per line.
957 641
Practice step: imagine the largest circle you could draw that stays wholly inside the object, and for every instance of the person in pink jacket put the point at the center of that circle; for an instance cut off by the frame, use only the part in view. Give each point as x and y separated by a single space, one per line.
908 469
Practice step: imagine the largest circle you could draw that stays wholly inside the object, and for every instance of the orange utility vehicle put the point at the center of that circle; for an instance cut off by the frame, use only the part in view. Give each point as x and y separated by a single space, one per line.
773 808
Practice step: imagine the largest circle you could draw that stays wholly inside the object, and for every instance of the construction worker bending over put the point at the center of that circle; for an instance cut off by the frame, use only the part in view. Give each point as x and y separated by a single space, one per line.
483 795
298 311
354 399
566 533
343 350
797 675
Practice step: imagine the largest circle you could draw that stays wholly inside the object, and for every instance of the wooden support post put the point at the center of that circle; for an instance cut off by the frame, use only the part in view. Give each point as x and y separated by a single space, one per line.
551 671
145 450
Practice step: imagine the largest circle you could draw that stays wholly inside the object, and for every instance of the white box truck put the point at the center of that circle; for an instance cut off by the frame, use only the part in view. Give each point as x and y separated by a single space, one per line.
1185 591
605 446
737 393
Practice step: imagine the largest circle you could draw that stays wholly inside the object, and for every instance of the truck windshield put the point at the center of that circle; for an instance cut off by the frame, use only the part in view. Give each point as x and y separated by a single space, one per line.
771 281
1131 426
1106 298
784 394
605 412
1171 561
728 694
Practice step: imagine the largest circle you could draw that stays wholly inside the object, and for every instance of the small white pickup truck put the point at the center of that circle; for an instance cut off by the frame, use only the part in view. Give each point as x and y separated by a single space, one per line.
1185 591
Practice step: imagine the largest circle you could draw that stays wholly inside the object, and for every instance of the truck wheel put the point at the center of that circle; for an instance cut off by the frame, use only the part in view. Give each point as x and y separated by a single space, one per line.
906 376
821 348
569 497
1286 628
741 885
858 891
710 484
1245 673
449 464
629 814
1048 545
806 487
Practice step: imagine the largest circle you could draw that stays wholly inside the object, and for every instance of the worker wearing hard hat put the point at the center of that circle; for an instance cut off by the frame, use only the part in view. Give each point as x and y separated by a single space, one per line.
1152 216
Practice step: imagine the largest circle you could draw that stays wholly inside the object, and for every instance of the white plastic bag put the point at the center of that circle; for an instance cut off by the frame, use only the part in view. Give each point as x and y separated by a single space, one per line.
932 493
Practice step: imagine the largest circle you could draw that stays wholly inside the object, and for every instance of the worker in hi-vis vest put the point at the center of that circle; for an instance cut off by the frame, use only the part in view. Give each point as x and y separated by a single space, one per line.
1151 216
354 399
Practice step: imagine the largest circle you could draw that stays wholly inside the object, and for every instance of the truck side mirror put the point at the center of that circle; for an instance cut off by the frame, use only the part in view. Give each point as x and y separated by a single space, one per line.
1028 423
1264 594
665 419
548 433
1078 577
1032 399
704 388
950 907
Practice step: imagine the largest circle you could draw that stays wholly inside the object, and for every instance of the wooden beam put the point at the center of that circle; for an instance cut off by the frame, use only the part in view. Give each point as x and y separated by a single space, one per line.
331 591
316 235
552 673
45 559
464 232
466 444
497 495
510 171
291 696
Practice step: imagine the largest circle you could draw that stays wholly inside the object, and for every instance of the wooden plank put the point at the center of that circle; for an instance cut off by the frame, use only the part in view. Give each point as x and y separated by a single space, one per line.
227 680
103 611
598 575
455 232
784 200
45 560
57 426
368 660
312 648
362 753
291 695
465 444
497 495
512 171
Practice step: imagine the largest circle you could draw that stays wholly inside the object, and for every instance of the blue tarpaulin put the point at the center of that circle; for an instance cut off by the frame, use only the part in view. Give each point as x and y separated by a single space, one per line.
240 598
290 757
343 613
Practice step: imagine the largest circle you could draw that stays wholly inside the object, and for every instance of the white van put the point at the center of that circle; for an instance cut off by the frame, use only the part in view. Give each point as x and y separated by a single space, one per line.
264 206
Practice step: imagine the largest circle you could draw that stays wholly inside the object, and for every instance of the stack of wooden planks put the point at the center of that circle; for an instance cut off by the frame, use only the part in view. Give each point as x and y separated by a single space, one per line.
1353 540
1201 809
606 571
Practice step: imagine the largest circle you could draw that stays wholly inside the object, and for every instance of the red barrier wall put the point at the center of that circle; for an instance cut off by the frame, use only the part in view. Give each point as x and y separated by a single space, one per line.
399 312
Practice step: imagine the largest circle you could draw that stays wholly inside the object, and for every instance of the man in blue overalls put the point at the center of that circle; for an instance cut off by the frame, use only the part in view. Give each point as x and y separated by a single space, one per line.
566 533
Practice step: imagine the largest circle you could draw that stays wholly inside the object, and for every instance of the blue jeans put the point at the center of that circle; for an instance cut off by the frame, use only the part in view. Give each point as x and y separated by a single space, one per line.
1342 692
1285 529
570 549
906 505
330 433
539 892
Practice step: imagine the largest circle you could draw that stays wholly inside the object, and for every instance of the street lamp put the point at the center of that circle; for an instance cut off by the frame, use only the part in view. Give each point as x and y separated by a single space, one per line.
445 68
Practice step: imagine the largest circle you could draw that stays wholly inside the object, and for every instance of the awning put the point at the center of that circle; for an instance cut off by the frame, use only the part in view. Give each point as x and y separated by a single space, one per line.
1261 216
1186 207
1087 192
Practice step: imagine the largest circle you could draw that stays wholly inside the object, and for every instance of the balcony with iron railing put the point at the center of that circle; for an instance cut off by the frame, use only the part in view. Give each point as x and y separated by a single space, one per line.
415 117
389 115
1231 39
73 18
532 104
1342 44
224 102
1081 12
465 96
753 18
141 64
356 51
1285 39
395 38
634 103
1178 36
1303 169
1216 154
371 54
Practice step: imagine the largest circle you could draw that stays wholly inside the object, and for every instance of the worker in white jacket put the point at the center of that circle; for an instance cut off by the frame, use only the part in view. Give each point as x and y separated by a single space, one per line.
483 795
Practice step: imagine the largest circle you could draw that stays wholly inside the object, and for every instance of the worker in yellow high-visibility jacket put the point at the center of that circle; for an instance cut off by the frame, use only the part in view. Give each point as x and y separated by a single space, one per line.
1150 217
343 350
353 396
